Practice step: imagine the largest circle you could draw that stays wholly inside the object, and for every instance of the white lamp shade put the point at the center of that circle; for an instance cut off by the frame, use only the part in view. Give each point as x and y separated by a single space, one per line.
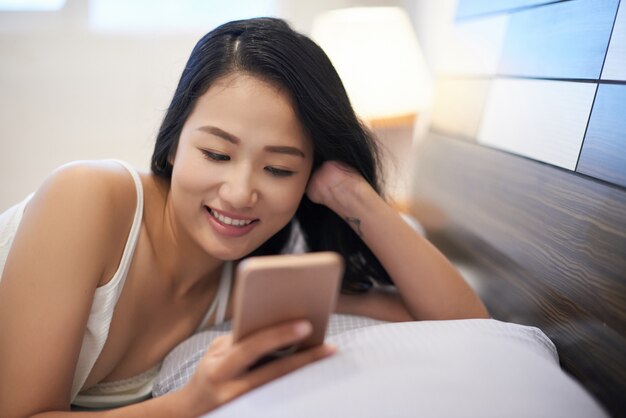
377 56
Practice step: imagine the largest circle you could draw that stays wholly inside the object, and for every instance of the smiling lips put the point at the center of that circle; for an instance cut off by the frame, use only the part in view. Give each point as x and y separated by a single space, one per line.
229 225
229 221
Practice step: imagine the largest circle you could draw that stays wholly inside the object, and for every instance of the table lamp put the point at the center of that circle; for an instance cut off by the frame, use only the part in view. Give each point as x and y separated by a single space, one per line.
377 55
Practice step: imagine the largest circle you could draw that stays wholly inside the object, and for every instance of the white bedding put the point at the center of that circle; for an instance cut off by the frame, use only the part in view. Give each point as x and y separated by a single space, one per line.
463 368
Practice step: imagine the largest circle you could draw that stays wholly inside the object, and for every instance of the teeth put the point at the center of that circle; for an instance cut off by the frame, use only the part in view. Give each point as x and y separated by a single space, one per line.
229 221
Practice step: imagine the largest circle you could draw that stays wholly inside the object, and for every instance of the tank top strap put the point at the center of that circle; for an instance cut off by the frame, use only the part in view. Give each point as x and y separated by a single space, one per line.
220 301
133 236
106 297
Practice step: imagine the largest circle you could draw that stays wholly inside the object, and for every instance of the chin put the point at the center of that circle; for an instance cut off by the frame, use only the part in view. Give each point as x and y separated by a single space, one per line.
229 253
226 255
229 250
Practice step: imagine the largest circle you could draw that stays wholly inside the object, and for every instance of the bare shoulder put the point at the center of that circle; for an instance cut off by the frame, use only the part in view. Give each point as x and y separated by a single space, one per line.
100 180
92 202
95 187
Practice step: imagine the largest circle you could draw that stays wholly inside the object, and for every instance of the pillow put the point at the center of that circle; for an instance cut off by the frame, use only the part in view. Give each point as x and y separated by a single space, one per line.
180 364
461 368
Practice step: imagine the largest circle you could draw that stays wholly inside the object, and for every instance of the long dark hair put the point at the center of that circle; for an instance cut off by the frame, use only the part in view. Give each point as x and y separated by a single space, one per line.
269 49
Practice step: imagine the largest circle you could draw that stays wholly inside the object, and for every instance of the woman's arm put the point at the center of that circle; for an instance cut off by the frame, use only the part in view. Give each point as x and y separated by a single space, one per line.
384 304
430 287
53 268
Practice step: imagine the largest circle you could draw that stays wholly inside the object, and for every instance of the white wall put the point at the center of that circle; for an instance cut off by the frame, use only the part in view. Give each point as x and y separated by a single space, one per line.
70 93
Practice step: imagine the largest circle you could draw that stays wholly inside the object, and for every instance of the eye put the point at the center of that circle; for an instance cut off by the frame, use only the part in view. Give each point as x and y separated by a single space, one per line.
214 156
278 172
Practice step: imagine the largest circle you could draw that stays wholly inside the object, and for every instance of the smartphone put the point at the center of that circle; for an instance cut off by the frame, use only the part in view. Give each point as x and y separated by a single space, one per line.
273 289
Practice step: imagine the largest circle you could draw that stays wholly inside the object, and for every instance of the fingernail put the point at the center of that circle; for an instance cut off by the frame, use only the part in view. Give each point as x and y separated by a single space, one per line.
303 328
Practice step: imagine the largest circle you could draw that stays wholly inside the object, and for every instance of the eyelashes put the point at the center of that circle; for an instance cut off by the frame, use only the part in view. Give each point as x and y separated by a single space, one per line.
278 172
273 171
214 156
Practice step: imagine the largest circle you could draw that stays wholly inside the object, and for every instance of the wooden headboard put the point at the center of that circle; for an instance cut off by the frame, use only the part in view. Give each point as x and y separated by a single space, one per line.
521 179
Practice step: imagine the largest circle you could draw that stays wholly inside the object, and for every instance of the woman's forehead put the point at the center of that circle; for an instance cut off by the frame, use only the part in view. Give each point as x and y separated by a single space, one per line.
247 106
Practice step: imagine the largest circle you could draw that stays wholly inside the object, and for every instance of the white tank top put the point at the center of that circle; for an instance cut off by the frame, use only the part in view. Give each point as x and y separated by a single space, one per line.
130 390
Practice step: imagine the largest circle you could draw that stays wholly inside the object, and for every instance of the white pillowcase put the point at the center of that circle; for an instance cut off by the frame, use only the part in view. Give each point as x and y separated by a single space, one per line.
181 362
462 368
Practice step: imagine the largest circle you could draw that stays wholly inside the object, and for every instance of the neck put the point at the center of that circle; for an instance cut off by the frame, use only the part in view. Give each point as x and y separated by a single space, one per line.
183 263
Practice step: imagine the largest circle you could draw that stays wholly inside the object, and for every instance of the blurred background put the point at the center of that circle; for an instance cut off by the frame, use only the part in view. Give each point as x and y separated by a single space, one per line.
91 79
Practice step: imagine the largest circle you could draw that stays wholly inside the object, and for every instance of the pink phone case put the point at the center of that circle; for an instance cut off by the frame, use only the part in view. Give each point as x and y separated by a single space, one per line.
273 289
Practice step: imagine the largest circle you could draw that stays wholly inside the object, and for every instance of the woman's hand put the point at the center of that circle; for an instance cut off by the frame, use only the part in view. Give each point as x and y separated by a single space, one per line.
223 374
336 186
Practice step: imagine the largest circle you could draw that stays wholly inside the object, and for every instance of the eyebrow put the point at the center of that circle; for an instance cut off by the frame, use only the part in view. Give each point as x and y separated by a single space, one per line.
280 149
220 133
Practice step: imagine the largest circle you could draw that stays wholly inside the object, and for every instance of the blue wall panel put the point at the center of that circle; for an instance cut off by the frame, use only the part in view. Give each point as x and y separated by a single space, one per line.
615 63
561 40
470 8
604 150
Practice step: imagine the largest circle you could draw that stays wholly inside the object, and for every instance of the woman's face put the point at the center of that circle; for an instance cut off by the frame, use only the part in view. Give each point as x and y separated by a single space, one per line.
241 166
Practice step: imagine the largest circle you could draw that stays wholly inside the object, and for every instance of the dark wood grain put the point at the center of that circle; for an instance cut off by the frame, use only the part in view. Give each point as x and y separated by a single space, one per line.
545 247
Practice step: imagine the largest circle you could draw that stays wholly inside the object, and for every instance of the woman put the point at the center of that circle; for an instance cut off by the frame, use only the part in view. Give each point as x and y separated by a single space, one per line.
109 269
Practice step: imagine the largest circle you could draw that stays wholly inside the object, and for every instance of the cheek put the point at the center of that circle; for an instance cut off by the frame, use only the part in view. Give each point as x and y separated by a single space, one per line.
284 201
190 175
189 184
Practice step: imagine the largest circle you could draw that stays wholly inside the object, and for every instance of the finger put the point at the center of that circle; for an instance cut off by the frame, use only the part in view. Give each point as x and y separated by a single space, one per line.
220 344
246 352
217 350
281 367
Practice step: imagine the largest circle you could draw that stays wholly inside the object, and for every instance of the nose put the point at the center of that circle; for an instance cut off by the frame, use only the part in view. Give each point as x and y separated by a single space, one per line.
238 190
